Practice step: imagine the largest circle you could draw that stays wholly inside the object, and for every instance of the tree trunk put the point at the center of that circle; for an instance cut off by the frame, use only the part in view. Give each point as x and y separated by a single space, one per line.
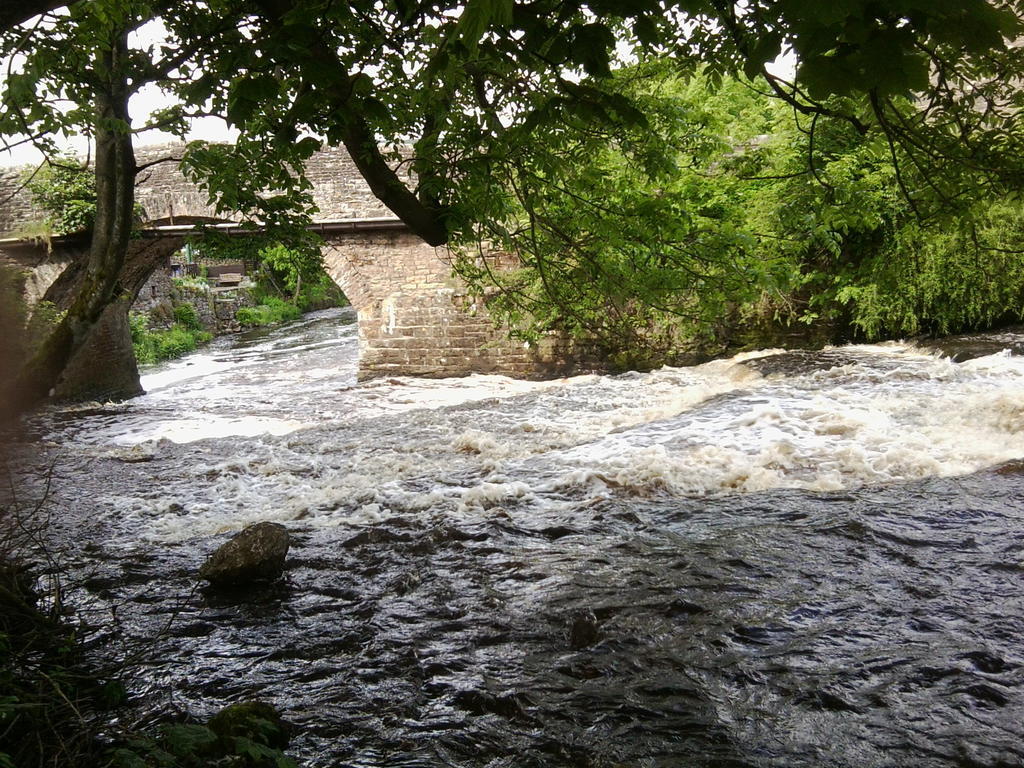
115 204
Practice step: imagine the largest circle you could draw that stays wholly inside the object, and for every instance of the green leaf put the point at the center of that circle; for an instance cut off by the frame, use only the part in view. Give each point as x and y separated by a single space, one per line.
478 15
765 49
646 30
307 147
185 740
592 46
246 94
21 89
375 109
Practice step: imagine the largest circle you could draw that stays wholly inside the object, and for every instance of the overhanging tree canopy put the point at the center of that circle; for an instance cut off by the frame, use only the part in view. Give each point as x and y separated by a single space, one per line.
467 84
486 90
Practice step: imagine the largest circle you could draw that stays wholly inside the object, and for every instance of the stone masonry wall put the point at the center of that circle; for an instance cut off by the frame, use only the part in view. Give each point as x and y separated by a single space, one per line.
339 192
215 307
40 264
166 196
15 202
415 319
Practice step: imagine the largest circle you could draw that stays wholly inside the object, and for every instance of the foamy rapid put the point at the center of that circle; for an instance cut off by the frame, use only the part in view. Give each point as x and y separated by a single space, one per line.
278 429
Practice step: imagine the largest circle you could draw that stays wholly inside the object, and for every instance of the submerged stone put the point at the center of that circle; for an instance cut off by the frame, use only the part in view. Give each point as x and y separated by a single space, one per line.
583 632
255 554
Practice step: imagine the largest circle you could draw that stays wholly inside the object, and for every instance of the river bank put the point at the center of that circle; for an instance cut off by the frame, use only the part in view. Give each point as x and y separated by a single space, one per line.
172 316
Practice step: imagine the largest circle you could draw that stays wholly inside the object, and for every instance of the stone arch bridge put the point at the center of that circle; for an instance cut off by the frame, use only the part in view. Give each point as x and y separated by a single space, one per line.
414 317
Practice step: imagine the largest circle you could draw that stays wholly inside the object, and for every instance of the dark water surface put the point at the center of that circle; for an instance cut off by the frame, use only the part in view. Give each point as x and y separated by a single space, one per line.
791 560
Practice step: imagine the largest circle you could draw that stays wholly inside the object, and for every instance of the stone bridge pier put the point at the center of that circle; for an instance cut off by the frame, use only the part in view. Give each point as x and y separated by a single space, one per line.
416 319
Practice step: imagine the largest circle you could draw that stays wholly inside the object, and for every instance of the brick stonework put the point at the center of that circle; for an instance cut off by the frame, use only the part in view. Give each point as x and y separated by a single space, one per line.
167 197
415 319
16 207
339 192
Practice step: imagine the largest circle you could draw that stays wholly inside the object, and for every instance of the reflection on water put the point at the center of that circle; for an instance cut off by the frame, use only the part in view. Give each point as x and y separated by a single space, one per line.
782 559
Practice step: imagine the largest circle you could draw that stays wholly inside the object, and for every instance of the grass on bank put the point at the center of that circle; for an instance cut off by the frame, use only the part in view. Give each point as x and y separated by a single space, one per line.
184 335
270 311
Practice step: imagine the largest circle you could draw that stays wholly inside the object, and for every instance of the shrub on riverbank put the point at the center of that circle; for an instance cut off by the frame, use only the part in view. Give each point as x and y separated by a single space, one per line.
320 292
246 735
270 311
764 236
186 316
153 346
46 692
46 688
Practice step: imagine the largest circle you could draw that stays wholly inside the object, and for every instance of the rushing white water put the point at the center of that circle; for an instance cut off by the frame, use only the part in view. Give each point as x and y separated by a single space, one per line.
300 440
780 559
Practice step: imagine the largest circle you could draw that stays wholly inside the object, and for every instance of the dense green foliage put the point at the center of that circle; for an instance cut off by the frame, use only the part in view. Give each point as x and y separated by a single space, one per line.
469 84
66 190
291 265
857 251
473 87
153 346
725 217
633 248
270 311
245 735
319 292
186 315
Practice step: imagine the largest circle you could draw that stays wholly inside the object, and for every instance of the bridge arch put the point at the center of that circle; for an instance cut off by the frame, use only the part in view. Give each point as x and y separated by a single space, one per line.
414 317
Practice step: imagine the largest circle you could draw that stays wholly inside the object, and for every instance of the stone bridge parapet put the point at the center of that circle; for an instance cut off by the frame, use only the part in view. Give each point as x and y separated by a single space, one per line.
167 197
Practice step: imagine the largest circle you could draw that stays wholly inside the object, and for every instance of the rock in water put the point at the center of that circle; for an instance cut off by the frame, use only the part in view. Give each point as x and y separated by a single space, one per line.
583 632
257 553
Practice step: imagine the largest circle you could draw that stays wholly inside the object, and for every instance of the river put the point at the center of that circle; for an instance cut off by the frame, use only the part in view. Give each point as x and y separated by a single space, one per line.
780 559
